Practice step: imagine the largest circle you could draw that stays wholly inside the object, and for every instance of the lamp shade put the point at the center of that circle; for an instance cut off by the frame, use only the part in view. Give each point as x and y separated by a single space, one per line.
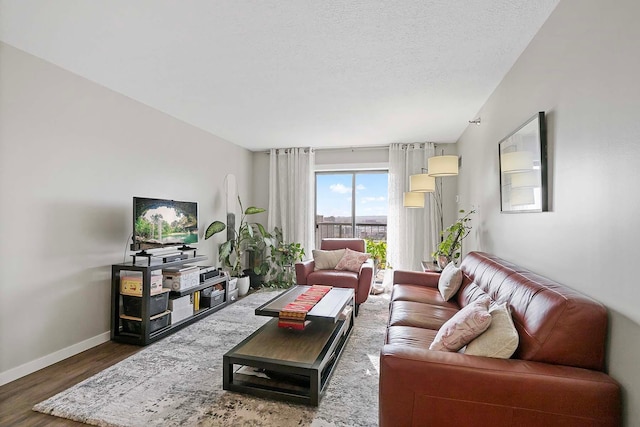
517 161
413 200
442 165
422 183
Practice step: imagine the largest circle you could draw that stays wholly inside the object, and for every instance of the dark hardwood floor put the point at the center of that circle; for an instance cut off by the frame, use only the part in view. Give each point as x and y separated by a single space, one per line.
18 397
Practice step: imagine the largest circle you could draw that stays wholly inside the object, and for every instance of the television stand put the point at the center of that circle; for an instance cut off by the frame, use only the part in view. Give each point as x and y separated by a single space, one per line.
145 327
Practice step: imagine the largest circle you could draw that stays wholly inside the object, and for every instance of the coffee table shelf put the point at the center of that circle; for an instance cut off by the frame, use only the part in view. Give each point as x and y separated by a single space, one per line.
329 308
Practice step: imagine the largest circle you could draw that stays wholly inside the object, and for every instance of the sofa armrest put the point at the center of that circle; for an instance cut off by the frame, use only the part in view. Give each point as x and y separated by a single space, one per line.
303 269
365 281
423 387
406 277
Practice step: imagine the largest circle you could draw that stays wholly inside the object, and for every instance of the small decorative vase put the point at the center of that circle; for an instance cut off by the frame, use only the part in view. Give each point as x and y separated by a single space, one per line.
443 260
243 285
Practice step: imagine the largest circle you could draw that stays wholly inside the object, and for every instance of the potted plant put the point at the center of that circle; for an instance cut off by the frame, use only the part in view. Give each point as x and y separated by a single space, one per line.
257 260
449 248
283 258
378 251
232 252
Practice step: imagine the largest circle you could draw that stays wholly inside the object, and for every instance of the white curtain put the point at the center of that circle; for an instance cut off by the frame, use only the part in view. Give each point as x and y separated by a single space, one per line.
411 233
291 195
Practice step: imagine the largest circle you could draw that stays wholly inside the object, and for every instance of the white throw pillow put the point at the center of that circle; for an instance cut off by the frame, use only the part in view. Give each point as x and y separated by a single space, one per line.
500 340
450 281
327 260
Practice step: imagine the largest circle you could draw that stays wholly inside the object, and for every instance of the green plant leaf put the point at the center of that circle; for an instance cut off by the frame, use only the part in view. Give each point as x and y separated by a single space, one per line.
225 250
251 210
262 230
214 228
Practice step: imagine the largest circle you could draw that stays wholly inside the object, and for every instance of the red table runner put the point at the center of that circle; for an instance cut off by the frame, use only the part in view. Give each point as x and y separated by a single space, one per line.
293 315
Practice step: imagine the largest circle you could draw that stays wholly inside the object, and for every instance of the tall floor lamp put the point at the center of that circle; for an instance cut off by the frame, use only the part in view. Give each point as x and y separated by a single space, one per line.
425 182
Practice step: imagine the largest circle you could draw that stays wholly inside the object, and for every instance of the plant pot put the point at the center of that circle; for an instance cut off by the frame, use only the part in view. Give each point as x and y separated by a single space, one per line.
443 260
243 285
255 280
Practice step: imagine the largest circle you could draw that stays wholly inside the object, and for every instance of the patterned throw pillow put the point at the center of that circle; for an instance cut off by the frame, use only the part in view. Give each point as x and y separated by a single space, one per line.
450 281
326 260
352 260
500 340
464 326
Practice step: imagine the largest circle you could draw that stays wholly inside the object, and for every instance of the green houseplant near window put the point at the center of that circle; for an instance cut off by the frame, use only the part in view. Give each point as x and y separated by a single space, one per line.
246 234
449 248
283 258
378 251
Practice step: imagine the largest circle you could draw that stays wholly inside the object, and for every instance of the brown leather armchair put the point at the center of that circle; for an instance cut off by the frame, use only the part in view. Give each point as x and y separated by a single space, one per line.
360 282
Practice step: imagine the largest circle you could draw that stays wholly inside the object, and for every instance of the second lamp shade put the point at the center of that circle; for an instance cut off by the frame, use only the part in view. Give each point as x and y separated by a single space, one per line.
442 165
422 183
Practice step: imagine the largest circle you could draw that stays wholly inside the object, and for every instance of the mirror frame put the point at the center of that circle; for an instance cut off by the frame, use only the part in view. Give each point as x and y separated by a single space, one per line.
530 140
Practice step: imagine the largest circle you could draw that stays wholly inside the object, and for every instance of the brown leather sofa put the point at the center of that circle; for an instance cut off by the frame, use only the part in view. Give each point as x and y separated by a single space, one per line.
360 282
555 378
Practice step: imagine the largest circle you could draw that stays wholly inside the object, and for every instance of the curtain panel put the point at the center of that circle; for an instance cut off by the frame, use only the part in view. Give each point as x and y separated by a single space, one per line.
291 195
412 234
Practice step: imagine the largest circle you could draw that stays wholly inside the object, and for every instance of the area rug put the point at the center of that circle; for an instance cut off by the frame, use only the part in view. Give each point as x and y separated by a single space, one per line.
178 380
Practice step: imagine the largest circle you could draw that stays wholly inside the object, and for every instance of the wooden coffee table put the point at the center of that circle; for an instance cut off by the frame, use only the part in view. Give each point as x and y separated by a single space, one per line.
289 364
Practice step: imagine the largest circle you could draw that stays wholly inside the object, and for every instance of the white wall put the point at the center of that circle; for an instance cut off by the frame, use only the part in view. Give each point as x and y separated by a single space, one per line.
582 69
72 156
352 158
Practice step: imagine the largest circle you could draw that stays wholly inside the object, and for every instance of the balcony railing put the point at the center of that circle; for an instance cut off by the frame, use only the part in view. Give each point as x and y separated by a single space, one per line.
341 229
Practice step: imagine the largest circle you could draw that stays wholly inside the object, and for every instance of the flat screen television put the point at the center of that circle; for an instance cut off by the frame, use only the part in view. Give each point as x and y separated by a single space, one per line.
160 223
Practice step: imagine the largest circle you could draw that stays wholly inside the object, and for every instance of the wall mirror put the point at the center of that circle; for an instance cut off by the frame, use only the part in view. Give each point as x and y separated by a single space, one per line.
523 168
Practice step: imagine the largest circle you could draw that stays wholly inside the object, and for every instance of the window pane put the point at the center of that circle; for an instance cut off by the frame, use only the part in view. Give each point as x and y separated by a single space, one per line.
333 205
372 205
334 197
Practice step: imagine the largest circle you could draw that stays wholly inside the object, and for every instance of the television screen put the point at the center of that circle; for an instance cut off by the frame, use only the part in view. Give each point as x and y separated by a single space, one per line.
160 223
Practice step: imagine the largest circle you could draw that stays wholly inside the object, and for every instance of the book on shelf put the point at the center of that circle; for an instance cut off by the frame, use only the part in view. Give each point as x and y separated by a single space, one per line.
292 324
196 300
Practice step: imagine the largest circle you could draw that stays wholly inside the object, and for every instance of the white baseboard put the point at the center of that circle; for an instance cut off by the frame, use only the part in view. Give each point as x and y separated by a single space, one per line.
50 359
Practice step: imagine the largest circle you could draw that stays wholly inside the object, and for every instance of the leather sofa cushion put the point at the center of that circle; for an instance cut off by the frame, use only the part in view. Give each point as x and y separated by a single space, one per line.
419 315
340 279
423 294
469 292
410 336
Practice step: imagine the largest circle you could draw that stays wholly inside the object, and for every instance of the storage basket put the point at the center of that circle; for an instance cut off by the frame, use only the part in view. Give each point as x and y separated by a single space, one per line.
132 305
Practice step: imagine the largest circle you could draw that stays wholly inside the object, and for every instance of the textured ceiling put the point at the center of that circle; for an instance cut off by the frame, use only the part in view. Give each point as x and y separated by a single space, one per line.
281 73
